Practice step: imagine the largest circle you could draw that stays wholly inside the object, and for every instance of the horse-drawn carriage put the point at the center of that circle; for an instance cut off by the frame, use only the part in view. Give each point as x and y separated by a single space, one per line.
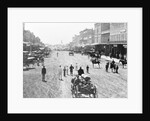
123 61
28 61
95 61
32 59
71 53
83 88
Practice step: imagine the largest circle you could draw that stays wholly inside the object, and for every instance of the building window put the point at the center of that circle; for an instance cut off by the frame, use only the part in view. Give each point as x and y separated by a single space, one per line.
122 37
118 37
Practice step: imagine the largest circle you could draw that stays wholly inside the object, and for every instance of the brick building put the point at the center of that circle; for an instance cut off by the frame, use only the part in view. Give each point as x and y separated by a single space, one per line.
86 37
97 33
118 39
102 37
111 39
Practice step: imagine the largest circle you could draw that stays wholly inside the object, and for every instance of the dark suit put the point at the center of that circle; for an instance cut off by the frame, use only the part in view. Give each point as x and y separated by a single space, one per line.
43 74
80 72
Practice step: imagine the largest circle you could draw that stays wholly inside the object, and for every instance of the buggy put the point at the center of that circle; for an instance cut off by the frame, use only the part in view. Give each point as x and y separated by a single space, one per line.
71 53
83 88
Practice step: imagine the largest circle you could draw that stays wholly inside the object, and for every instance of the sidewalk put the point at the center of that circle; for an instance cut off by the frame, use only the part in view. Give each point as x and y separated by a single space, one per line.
110 59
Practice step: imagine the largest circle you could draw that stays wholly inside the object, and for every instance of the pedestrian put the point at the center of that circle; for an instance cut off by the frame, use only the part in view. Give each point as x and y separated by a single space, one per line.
111 66
43 73
80 71
71 69
67 70
76 67
57 54
107 65
87 69
64 71
38 61
117 67
60 72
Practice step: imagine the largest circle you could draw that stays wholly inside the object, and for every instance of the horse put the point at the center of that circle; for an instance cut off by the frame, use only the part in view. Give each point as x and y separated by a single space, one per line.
123 61
113 67
78 88
95 61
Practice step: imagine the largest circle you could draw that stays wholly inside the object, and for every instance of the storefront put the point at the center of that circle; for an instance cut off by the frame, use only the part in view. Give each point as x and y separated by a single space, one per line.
119 51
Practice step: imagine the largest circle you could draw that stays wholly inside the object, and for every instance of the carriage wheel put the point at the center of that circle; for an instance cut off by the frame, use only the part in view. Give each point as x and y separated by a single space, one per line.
95 93
77 95
73 95
91 95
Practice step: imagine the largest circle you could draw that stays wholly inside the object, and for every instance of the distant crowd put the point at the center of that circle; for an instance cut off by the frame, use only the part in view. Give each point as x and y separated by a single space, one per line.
69 70
66 70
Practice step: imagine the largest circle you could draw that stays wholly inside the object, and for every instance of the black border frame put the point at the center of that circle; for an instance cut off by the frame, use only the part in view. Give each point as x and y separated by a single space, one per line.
6 4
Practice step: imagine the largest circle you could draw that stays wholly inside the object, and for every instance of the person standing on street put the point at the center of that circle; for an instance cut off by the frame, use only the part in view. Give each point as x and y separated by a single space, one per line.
60 72
80 71
38 61
71 69
117 67
111 66
107 65
64 71
67 70
76 67
43 73
87 69
57 54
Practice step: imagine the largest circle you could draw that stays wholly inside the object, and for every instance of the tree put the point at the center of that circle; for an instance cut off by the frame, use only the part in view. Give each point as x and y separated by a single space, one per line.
30 37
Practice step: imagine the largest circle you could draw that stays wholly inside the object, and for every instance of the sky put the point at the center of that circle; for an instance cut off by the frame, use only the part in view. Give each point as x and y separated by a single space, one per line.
54 33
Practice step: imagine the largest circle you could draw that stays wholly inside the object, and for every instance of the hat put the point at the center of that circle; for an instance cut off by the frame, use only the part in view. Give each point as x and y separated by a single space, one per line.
87 78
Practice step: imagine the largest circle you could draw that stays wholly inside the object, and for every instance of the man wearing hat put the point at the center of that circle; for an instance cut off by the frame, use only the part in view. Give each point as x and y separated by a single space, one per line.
80 71
43 73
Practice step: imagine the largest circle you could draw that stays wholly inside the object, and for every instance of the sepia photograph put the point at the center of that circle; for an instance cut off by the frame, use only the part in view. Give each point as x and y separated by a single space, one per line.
74 60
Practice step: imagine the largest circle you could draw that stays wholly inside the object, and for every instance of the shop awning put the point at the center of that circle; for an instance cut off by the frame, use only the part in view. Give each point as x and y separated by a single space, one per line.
95 44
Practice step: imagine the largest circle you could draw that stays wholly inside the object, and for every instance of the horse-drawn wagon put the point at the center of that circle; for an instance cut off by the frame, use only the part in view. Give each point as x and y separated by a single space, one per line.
71 53
123 61
83 88
95 61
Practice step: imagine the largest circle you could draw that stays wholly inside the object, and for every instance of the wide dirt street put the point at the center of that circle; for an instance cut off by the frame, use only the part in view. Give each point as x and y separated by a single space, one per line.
109 85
